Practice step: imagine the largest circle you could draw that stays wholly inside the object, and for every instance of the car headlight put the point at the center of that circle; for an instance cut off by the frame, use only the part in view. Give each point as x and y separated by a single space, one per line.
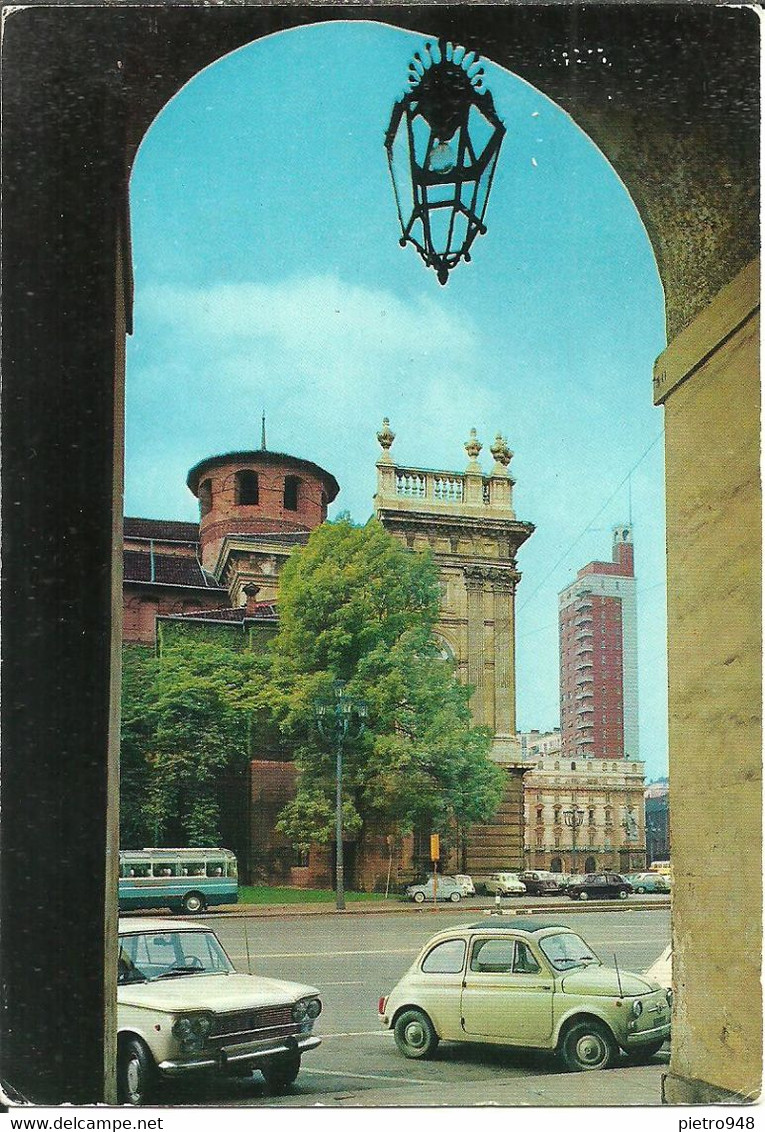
313 1008
191 1030
637 1008
300 1011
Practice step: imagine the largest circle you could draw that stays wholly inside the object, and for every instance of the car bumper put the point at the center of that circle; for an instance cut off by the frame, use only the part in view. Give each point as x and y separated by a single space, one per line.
232 1057
647 1037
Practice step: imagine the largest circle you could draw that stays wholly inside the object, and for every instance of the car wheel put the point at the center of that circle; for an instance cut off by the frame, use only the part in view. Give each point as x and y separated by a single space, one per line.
588 1045
414 1034
623 894
280 1073
584 895
455 898
135 1072
640 888
419 897
193 902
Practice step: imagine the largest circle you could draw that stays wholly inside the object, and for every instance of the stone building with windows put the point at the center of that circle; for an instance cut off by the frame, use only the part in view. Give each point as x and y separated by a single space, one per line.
582 815
467 521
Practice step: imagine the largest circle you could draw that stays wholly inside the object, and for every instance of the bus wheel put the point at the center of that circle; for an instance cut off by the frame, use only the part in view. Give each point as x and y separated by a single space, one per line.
193 902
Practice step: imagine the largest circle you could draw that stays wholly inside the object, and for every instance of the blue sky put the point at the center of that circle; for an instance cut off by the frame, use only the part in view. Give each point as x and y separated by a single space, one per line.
269 276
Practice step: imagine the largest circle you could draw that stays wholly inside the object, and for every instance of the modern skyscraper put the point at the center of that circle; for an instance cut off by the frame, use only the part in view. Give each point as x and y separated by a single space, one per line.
597 620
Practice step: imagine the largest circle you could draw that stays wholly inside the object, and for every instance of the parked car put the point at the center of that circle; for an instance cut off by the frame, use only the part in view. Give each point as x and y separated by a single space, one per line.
446 888
529 985
660 970
600 886
182 1008
466 884
649 882
463 882
565 879
540 883
504 884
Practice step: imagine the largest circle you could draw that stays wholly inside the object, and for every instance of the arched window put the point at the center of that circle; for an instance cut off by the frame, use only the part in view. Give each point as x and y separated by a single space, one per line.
556 865
291 493
590 865
205 498
246 489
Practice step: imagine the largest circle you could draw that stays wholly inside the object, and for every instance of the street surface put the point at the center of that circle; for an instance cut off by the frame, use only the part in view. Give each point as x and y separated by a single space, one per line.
354 959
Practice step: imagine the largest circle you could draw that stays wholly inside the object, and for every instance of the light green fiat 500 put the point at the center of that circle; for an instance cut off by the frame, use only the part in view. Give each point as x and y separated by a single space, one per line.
531 985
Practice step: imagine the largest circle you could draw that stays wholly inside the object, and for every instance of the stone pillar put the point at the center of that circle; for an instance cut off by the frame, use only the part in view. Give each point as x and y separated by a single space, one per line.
474 584
503 586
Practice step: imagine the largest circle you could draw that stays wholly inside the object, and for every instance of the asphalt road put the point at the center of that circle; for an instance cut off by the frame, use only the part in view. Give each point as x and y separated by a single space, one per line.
353 960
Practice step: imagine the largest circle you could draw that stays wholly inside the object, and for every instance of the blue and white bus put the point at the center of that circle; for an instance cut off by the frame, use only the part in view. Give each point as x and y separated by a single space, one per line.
188 880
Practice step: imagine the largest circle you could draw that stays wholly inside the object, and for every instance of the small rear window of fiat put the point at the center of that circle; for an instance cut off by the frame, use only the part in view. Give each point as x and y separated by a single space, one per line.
446 958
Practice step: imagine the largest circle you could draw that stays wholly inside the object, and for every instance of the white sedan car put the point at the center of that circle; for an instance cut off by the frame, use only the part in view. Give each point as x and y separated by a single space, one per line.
182 1008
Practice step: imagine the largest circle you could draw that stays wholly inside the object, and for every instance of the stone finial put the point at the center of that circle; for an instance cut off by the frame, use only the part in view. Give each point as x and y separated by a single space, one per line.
473 446
385 438
500 451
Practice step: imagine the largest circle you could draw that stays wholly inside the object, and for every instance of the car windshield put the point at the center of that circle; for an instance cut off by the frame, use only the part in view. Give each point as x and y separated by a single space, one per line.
567 950
146 956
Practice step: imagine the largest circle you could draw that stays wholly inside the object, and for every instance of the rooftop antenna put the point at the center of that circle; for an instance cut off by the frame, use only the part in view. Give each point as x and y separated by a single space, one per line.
263 431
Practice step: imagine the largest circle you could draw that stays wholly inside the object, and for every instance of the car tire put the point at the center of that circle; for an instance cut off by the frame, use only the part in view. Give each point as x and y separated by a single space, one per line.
414 1034
640 888
193 902
623 894
588 1045
419 897
136 1072
455 898
584 895
282 1072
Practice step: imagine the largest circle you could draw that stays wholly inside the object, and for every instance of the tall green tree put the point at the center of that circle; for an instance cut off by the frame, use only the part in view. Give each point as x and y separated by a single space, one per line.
356 606
188 721
139 673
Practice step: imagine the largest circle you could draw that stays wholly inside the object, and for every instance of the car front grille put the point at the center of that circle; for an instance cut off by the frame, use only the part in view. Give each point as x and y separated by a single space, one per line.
249 1025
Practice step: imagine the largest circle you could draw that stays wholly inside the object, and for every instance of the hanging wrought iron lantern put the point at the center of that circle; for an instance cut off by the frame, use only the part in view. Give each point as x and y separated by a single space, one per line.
443 142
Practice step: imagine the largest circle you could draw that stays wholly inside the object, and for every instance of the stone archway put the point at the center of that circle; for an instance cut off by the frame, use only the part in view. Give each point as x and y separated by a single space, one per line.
675 111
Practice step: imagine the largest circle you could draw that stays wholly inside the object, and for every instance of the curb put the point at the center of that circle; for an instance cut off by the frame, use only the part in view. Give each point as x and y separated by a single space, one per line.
266 911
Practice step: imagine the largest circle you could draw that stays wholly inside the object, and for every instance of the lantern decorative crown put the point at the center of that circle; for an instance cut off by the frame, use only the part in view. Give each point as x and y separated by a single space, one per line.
442 143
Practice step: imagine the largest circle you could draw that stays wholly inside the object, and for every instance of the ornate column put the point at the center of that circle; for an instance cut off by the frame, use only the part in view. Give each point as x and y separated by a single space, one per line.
503 586
474 585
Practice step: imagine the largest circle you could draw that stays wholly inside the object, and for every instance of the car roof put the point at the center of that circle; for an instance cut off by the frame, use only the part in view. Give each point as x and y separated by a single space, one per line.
155 924
516 925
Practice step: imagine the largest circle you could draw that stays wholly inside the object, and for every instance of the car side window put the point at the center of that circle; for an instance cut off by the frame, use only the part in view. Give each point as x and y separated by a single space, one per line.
493 956
525 963
445 958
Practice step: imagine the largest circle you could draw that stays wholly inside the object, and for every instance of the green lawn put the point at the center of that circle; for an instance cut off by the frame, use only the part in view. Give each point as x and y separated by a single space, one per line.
262 894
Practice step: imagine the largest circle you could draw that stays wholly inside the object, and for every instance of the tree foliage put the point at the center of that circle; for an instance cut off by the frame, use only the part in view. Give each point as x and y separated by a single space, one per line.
198 703
355 606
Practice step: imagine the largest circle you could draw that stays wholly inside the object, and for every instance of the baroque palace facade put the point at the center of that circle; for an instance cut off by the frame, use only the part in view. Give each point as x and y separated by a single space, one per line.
222 576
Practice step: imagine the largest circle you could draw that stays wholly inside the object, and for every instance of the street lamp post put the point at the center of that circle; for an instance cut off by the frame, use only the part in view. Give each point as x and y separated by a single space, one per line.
343 719
573 819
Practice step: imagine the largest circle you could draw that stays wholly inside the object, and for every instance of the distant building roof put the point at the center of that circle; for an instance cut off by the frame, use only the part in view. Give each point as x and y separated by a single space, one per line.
169 530
263 611
165 569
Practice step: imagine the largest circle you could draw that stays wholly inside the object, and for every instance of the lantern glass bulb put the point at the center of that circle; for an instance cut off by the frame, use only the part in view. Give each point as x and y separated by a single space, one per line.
443 157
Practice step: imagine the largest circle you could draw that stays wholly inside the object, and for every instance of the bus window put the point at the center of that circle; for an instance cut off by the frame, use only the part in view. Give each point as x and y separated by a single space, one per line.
140 869
164 869
214 869
231 868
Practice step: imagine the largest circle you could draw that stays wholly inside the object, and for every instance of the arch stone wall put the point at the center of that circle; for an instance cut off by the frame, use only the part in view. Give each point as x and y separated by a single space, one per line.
676 112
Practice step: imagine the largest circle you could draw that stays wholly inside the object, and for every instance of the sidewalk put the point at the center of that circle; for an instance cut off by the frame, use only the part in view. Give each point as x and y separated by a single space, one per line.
636 1085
